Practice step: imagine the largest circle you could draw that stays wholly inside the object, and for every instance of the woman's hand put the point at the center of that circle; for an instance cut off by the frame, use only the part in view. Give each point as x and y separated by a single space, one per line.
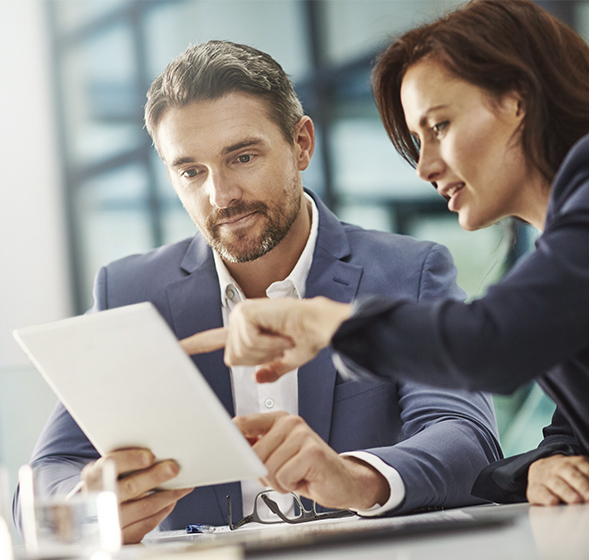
276 335
557 479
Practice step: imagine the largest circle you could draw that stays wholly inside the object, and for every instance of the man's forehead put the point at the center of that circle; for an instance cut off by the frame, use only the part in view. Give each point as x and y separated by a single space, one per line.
216 127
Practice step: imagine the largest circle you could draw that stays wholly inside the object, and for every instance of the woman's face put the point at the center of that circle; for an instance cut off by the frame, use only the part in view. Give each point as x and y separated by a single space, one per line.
470 145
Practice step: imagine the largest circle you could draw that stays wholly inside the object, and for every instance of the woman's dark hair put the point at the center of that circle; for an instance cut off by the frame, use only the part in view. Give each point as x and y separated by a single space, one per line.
500 46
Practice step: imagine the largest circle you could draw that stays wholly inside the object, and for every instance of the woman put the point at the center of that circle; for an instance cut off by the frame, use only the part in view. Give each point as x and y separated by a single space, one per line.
491 105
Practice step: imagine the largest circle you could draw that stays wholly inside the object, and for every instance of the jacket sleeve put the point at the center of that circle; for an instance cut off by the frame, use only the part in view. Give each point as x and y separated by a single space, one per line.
506 481
530 321
448 435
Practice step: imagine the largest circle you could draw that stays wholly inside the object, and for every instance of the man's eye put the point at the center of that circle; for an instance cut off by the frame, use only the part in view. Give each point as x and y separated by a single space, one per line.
190 173
245 158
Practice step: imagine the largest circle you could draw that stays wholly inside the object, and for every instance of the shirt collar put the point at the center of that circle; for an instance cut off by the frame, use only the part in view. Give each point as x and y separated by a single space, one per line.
230 290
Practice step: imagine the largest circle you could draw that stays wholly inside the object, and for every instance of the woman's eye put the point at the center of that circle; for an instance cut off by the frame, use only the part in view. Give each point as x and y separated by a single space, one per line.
439 127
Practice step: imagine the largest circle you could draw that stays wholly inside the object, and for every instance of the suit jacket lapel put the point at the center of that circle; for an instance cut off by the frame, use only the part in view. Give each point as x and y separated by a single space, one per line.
329 276
195 304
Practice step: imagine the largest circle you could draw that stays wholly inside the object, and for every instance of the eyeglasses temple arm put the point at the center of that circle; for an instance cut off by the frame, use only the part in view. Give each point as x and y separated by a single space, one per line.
273 507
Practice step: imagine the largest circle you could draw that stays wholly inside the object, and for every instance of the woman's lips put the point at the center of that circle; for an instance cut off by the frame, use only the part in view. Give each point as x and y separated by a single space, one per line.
453 195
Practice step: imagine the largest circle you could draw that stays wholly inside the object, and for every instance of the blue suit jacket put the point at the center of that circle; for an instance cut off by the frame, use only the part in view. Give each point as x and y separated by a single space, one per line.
437 439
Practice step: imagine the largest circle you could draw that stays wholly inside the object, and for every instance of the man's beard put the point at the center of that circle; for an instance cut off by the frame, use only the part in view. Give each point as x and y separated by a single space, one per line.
246 246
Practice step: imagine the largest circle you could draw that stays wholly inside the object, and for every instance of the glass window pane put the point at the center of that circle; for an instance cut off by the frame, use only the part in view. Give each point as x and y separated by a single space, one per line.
479 255
276 27
176 223
582 15
71 14
366 164
356 27
102 107
368 216
113 220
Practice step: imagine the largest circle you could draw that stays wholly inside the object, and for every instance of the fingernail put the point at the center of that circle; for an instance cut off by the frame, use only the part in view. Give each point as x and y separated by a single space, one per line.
146 458
171 468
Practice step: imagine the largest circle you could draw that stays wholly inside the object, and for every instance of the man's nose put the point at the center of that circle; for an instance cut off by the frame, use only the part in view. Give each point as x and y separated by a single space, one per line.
223 192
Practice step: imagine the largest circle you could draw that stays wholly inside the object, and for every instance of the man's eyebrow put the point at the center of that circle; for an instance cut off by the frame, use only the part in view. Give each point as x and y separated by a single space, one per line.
182 161
246 143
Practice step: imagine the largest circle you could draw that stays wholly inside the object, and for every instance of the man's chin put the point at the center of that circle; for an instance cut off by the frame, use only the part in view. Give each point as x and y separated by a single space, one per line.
239 255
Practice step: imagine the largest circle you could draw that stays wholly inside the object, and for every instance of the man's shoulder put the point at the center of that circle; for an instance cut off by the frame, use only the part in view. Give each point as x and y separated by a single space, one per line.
165 258
385 243
364 244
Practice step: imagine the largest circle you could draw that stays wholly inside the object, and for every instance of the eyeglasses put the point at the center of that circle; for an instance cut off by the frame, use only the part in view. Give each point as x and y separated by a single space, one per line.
303 515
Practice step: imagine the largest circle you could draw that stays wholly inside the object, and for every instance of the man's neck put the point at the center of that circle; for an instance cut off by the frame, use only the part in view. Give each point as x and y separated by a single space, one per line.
255 277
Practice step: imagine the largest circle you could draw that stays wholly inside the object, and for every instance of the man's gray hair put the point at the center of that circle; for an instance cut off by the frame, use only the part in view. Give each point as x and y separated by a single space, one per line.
211 70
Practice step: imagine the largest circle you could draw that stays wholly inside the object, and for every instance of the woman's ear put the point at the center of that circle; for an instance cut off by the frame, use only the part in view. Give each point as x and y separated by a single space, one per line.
304 142
511 106
515 103
520 108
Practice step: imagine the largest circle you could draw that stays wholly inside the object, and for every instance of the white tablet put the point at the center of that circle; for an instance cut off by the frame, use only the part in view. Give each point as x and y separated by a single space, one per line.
126 381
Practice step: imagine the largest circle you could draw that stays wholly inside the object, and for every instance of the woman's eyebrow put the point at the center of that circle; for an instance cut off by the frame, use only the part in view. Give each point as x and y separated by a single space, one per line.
424 117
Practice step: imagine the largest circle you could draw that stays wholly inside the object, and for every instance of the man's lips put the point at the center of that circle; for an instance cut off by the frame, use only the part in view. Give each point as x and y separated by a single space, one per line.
235 220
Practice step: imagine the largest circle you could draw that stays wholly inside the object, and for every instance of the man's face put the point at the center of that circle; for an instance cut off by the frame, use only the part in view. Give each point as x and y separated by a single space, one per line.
235 173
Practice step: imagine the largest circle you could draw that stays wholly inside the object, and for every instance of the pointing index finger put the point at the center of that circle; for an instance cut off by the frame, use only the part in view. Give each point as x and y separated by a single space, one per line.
206 341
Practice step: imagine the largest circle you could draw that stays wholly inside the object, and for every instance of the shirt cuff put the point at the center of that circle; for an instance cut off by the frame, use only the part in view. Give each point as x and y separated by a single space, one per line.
396 484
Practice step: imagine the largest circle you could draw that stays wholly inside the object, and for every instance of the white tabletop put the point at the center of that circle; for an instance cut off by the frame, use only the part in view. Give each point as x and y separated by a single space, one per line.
535 533
524 533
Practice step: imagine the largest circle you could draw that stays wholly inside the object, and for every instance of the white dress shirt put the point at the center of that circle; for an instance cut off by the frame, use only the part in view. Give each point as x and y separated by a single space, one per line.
251 397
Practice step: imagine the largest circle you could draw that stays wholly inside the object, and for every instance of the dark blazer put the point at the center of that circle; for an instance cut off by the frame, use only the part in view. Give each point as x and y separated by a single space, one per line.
533 324
438 440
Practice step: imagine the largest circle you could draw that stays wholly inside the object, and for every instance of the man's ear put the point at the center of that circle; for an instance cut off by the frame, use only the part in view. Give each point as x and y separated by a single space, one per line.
304 142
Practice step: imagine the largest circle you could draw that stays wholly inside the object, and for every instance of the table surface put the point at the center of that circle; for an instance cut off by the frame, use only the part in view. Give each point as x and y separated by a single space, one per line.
517 532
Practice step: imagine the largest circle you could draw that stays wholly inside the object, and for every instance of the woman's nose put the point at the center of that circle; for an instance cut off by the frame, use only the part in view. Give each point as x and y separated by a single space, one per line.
430 165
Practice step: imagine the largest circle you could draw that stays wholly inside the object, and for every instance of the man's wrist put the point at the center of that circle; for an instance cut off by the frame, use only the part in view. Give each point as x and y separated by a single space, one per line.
374 489
397 488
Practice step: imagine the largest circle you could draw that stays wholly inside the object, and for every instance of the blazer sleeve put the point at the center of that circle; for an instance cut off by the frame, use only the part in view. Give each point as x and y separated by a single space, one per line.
506 481
530 321
448 435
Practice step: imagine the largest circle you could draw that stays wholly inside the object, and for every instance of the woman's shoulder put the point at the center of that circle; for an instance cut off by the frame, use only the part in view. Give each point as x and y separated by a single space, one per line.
573 173
577 156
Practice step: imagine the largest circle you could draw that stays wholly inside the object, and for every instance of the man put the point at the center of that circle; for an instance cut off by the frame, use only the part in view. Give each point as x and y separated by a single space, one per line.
233 136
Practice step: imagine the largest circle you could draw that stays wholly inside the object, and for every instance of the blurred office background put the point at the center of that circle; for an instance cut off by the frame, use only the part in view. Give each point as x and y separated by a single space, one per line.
81 184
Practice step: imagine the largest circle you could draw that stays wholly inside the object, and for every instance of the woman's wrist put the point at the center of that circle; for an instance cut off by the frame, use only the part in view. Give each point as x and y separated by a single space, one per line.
325 318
